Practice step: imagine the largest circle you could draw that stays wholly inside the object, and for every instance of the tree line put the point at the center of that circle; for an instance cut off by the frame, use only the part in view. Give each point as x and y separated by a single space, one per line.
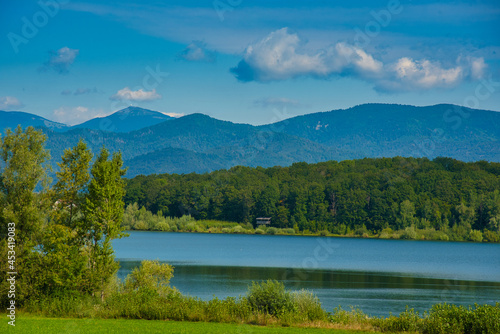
60 234
367 196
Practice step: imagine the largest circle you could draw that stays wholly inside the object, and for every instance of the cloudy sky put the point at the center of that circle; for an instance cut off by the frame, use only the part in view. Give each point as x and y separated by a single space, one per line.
243 60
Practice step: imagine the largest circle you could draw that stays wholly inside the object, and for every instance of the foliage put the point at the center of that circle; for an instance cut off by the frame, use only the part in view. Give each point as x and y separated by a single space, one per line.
103 211
270 297
23 202
445 318
72 181
62 235
151 276
416 198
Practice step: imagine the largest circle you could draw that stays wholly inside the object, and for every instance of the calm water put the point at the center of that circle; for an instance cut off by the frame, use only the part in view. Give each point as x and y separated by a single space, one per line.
378 276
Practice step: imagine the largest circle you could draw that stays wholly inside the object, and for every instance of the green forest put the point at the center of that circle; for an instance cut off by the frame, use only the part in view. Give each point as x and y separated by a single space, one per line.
413 198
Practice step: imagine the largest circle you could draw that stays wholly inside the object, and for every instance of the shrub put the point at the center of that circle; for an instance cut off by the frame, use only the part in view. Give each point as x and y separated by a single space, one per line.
260 231
445 318
308 305
475 235
484 319
386 233
270 297
238 229
409 233
491 236
408 321
355 316
162 226
272 230
141 225
191 227
151 277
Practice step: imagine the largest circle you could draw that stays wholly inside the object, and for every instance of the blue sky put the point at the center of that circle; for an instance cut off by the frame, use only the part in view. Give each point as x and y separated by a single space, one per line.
245 61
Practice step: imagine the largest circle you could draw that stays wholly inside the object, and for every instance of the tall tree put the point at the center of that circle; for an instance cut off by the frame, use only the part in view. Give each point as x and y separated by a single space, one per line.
24 155
60 247
72 180
103 211
22 204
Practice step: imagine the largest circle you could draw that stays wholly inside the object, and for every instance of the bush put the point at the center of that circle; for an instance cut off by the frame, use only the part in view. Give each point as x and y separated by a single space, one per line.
151 277
491 236
475 235
445 318
272 230
355 316
308 305
270 297
260 231
238 230
409 233
191 227
408 321
162 226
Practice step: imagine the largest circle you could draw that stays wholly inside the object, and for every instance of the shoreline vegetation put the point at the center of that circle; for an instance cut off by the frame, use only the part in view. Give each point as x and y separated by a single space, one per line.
146 294
399 198
135 219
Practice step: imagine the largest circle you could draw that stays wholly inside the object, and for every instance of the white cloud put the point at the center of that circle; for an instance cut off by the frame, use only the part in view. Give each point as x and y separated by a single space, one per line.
140 95
75 115
8 103
478 68
61 60
173 114
280 56
425 74
276 57
197 51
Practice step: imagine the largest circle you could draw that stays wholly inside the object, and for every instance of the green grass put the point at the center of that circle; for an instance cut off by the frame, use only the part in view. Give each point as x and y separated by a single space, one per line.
35 325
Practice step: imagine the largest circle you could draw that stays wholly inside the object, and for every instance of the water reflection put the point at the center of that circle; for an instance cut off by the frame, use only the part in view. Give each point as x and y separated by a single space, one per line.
375 293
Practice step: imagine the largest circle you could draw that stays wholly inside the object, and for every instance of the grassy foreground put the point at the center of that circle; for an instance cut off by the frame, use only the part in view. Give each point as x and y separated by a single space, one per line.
36 325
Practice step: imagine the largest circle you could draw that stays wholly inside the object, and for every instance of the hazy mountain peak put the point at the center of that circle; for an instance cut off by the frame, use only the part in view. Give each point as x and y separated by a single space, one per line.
11 119
126 120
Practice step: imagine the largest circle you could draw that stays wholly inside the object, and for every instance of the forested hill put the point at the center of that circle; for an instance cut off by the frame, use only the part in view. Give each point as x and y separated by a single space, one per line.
449 198
387 130
199 143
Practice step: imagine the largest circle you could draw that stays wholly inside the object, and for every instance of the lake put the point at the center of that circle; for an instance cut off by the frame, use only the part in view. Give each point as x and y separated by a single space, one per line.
377 276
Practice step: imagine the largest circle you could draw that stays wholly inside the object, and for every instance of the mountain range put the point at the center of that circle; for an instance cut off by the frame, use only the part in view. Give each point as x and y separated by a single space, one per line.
152 142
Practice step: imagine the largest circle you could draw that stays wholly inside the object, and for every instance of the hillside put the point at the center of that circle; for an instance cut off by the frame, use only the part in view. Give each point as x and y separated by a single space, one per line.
386 130
11 119
199 143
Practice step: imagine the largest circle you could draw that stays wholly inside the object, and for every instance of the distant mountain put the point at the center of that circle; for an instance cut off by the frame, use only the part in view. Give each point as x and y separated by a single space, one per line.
125 120
387 130
199 143
11 119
